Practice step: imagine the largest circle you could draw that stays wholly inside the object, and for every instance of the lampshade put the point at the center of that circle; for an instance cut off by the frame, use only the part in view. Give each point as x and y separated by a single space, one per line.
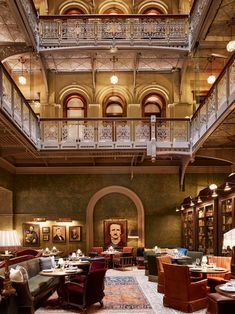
229 239
9 240
230 46
133 234
227 187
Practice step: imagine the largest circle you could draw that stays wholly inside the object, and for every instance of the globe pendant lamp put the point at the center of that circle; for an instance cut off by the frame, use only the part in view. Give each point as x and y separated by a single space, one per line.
22 79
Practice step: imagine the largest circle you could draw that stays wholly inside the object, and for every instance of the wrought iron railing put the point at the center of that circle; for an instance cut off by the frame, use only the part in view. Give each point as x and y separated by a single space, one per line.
217 104
15 106
116 133
97 30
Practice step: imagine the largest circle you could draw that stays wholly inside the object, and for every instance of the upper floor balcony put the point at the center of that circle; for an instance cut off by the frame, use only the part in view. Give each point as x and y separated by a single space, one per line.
122 30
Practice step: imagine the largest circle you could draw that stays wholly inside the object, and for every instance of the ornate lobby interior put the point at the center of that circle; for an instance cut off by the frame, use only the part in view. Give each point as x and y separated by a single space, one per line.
117 110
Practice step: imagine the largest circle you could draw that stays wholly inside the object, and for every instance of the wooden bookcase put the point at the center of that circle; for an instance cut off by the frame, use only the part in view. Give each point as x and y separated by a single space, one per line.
188 229
226 217
206 228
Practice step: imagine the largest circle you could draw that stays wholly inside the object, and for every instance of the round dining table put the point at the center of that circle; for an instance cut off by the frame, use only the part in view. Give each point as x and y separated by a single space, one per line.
226 290
207 270
61 273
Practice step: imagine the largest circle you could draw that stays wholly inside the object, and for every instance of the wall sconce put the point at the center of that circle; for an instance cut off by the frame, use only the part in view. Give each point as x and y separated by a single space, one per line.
22 79
133 234
39 219
199 200
64 219
227 187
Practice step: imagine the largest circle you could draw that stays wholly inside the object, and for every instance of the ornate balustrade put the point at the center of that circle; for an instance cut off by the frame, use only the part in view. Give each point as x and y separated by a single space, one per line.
217 105
15 106
130 30
167 135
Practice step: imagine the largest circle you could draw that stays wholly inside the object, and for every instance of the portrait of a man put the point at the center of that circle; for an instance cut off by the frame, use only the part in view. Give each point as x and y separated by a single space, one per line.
74 233
31 235
58 234
115 232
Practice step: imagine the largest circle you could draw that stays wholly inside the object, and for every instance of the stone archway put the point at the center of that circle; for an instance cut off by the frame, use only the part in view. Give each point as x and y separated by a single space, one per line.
107 190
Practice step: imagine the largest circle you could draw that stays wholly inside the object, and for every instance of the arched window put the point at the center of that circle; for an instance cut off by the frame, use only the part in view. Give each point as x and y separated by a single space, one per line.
113 11
114 106
74 106
152 11
73 11
153 104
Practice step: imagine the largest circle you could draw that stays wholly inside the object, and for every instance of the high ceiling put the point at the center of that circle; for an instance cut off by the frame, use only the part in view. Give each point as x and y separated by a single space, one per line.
216 32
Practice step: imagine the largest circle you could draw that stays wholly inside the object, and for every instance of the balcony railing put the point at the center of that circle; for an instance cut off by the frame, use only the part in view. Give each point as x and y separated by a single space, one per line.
15 106
166 135
126 30
216 106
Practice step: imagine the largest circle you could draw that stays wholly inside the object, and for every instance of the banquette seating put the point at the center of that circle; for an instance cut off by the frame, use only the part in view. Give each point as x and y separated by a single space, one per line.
96 251
180 293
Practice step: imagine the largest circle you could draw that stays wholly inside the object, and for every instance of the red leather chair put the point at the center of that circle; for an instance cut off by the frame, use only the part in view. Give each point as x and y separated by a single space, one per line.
160 271
87 293
218 279
96 251
93 266
32 252
219 304
182 294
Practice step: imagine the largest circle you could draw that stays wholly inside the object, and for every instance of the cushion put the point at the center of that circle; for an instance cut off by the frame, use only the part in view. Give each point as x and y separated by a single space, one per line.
23 272
16 275
45 262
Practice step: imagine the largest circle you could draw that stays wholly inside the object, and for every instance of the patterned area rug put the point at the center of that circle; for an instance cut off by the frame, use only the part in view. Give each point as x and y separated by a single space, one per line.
124 293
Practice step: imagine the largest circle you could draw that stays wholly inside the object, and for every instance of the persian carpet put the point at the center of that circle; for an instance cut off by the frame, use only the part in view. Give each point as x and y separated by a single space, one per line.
122 294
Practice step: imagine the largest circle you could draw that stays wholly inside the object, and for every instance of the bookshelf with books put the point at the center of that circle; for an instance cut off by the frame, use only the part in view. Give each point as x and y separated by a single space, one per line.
188 228
226 217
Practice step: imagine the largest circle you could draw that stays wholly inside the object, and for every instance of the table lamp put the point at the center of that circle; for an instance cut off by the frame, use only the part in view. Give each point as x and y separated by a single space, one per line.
9 240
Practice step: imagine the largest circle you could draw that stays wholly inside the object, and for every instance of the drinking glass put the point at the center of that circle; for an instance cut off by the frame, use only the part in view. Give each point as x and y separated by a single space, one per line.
198 261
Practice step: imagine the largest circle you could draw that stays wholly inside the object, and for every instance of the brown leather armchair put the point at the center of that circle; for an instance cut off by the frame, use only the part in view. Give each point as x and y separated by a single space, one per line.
218 279
220 304
182 294
160 271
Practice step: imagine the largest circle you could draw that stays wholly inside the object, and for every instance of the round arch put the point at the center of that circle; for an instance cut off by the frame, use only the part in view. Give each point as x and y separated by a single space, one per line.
108 190
81 5
108 90
145 5
120 5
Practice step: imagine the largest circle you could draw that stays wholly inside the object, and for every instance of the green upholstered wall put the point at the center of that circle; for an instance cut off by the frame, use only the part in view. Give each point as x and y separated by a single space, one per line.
59 195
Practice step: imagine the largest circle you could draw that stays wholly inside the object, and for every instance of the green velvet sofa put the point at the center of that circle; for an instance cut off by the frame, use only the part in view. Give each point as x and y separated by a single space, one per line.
30 292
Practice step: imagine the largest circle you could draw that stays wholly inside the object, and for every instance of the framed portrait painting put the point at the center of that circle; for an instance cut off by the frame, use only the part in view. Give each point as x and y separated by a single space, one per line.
59 234
45 229
115 232
74 233
46 237
31 234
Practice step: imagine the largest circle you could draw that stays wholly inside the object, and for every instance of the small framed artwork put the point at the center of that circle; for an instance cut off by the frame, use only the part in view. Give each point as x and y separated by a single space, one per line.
59 234
115 232
31 234
45 229
75 233
45 237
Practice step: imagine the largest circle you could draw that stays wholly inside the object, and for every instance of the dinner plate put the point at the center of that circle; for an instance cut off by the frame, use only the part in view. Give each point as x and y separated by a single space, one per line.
70 270
218 269
48 270
227 288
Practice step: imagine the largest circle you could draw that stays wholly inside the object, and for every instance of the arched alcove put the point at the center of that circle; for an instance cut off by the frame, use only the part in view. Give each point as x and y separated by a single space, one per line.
105 191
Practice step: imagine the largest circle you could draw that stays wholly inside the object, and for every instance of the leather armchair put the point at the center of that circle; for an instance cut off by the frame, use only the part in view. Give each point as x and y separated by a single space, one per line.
219 304
182 294
87 293
160 271
218 279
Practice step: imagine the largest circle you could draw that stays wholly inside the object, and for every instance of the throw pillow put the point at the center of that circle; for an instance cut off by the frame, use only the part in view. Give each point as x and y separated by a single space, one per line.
45 262
23 272
16 275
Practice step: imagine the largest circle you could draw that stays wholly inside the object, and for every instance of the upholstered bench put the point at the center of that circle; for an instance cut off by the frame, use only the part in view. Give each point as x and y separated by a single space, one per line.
31 288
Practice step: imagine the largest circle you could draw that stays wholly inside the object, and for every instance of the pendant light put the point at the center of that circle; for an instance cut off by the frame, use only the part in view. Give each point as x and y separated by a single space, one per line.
211 79
22 79
114 78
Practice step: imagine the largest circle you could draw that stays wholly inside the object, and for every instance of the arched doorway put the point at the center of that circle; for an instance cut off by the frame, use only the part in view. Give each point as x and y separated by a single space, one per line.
107 190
